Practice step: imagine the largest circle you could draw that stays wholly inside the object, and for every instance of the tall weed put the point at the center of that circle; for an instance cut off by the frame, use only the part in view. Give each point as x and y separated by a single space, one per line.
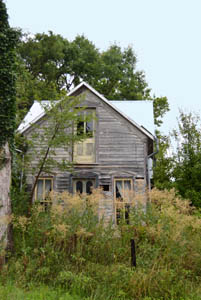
67 244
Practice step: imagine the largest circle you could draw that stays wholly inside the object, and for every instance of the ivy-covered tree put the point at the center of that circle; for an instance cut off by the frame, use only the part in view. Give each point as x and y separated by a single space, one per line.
8 41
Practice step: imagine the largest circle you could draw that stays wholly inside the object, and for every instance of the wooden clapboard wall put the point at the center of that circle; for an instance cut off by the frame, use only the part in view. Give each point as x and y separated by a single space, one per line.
121 149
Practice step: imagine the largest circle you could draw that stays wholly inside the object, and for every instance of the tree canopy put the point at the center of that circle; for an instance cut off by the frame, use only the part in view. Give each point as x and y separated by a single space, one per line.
187 159
50 65
180 167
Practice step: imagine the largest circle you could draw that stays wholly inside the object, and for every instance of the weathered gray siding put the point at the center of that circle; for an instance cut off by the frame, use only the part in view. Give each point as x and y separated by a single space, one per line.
121 151
34 156
118 143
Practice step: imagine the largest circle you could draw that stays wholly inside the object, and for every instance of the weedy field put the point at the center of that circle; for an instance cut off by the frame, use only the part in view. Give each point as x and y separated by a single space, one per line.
65 251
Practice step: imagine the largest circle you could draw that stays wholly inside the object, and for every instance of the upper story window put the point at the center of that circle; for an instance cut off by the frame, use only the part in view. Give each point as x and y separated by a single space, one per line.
84 151
86 124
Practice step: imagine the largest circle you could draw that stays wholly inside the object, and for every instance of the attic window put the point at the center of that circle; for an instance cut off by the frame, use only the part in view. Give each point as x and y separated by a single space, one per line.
84 151
85 125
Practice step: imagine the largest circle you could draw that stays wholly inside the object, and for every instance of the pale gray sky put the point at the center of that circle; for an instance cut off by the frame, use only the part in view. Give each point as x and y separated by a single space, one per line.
165 35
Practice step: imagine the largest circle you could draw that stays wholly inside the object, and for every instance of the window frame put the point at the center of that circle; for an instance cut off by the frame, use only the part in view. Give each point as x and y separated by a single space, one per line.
123 203
42 200
83 180
84 158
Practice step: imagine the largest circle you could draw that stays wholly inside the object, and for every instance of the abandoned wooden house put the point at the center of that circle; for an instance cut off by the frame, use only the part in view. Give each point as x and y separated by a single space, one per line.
116 156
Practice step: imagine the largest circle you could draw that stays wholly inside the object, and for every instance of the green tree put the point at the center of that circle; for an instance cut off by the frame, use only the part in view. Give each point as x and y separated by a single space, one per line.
29 89
52 64
119 79
53 59
161 106
187 159
164 163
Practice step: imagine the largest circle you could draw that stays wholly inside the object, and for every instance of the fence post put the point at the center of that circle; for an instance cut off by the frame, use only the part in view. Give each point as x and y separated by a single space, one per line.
133 253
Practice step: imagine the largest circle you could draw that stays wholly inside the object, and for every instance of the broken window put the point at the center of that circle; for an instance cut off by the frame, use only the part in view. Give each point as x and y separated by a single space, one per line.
84 151
43 187
105 187
122 198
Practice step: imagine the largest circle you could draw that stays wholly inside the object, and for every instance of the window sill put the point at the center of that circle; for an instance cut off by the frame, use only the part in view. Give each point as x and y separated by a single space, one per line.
86 164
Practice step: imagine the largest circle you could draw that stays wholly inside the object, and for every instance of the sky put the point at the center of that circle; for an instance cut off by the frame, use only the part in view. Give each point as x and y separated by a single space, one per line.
165 35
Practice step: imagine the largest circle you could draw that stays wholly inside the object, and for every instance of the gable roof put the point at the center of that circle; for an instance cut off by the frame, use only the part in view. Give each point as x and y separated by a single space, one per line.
141 111
130 110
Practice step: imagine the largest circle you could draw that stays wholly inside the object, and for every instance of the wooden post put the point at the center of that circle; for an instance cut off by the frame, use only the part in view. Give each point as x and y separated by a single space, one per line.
133 253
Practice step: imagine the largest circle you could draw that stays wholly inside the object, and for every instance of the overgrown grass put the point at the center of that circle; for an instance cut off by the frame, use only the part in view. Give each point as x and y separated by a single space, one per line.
11 292
68 248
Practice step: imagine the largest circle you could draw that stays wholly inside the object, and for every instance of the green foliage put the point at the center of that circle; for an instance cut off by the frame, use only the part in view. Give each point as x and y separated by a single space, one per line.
50 64
119 80
20 199
164 163
8 40
187 160
56 61
10 291
29 89
161 106
66 247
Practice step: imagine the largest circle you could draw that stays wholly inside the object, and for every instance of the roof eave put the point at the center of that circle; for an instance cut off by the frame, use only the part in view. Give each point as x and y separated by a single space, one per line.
83 83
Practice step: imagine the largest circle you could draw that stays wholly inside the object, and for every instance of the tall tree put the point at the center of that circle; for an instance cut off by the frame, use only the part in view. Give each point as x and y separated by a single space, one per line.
8 41
187 159
164 163
55 64
119 79
53 59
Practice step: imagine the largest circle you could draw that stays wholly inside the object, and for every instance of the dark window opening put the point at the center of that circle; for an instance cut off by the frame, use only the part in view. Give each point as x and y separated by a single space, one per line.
79 187
119 191
83 186
80 128
89 125
105 187
123 214
89 186
127 210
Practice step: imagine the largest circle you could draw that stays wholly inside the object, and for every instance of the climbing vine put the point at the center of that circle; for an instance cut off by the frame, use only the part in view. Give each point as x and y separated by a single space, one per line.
8 42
